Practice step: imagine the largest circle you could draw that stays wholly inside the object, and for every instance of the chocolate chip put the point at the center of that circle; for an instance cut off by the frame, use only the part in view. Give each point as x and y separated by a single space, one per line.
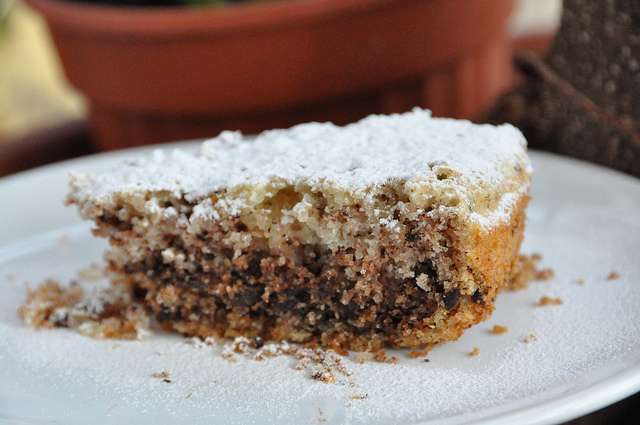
429 308
253 269
193 282
241 227
258 342
285 304
166 315
478 297
438 286
313 259
302 296
139 293
237 275
410 237
451 299
250 296
426 267
315 267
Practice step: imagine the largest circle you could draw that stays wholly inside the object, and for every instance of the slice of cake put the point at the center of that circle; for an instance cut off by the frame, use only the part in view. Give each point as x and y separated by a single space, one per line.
394 231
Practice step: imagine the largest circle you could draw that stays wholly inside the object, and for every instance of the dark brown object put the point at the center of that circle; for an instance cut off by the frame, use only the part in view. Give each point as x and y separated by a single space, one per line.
583 98
50 144
154 75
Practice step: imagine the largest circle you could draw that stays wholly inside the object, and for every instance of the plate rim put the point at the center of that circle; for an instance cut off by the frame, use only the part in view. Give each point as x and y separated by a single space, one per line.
569 405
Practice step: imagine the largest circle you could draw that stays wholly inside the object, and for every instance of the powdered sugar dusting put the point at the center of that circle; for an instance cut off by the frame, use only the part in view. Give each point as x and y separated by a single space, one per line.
590 338
378 149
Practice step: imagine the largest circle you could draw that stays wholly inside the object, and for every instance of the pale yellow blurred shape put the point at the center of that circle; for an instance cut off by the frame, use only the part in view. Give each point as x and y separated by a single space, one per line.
33 91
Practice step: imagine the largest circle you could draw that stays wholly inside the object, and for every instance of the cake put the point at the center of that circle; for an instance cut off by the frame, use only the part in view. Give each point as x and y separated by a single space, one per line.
394 231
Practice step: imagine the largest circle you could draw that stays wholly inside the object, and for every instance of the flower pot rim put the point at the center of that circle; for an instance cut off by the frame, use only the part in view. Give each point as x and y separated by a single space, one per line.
177 21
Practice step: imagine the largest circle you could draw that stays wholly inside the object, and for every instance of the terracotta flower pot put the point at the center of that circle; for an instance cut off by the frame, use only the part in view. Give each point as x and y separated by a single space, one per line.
158 74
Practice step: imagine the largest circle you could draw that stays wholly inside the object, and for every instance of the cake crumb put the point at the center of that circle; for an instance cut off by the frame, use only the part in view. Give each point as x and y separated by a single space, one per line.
323 376
527 270
499 330
45 304
361 358
105 313
321 365
474 352
580 281
529 338
338 348
546 301
543 274
381 356
164 376
613 276
360 396
414 354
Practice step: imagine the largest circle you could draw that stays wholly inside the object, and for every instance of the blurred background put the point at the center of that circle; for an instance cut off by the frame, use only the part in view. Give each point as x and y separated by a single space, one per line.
101 76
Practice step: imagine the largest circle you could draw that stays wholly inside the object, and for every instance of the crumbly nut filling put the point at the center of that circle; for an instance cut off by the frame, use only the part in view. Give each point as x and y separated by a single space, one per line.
304 268
104 314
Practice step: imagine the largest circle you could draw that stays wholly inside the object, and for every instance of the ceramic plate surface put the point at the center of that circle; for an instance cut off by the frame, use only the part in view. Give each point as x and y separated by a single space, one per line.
583 219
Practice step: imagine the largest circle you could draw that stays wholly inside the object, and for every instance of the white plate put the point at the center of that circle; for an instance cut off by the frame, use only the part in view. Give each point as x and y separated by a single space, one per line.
583 219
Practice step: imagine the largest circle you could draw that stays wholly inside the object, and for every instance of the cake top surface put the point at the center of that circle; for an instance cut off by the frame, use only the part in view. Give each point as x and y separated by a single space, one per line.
435 162
367 153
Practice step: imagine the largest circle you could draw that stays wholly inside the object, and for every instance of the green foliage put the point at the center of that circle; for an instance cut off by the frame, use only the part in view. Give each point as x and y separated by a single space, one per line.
5 13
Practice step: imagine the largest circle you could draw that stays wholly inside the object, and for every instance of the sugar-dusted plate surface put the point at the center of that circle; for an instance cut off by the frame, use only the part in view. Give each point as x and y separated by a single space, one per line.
583 219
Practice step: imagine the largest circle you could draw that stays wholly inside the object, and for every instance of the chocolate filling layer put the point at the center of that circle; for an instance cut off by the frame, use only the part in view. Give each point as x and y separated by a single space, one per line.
313 290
